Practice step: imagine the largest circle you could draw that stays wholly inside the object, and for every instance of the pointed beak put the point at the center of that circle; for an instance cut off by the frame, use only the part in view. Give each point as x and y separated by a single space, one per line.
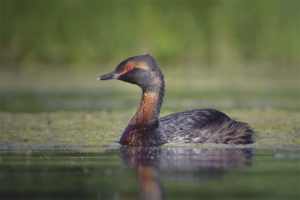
111 75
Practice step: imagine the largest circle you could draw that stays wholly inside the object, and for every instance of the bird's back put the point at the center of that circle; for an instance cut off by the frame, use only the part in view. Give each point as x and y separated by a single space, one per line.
201 126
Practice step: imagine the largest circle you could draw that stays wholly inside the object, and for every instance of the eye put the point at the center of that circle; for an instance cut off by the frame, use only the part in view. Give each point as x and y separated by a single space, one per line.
128 68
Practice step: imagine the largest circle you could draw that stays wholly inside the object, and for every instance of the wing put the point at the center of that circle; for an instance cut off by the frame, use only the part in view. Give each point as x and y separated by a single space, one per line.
189 126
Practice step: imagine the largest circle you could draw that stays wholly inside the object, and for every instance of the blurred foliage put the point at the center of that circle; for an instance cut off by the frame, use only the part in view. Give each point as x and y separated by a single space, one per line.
87 33
86 128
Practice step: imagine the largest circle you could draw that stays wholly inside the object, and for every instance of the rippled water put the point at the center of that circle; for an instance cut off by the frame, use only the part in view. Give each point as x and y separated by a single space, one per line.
150 173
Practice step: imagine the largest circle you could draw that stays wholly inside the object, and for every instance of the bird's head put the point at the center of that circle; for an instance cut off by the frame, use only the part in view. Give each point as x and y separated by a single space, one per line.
140 70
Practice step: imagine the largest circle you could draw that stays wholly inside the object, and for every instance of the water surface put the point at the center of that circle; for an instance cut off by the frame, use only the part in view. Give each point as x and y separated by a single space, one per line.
172 172
55 137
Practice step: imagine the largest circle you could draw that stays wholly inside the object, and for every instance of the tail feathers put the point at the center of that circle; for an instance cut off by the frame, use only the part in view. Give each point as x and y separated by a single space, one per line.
234 132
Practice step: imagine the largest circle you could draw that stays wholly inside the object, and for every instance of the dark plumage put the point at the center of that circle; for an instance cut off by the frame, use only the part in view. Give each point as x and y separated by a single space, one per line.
194 126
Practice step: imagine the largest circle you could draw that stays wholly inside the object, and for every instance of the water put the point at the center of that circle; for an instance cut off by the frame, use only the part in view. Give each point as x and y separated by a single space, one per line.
45 114
185 172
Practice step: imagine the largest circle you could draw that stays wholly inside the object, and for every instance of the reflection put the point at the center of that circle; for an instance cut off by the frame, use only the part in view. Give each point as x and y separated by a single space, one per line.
192 163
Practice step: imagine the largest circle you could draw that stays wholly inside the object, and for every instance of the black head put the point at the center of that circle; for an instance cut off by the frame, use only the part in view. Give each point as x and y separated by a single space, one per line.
141 70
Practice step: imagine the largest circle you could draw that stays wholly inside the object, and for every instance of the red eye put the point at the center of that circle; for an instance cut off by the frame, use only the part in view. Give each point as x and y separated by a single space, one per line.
128 68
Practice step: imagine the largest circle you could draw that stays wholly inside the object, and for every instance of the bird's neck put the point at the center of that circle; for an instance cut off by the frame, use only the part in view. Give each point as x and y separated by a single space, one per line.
147 114
148 111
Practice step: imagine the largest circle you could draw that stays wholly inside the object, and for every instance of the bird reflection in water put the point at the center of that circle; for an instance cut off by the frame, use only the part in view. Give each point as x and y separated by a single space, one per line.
196 162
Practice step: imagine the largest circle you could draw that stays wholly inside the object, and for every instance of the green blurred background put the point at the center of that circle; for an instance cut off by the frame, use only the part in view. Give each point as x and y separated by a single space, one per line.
241 57
220 54
208 33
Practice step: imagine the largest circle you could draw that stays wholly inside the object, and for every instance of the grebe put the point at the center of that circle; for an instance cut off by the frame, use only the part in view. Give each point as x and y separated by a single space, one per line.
193 126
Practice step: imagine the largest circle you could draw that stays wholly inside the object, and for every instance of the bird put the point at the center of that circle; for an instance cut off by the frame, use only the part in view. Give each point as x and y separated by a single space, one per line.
146 129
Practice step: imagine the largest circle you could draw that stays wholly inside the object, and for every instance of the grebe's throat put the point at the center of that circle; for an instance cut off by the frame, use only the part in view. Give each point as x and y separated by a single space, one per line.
148 111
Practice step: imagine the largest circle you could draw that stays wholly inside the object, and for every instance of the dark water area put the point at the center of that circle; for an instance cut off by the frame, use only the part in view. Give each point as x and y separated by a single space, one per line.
150 173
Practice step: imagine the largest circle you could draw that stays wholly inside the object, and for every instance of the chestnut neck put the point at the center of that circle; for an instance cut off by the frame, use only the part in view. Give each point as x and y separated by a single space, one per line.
149 109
